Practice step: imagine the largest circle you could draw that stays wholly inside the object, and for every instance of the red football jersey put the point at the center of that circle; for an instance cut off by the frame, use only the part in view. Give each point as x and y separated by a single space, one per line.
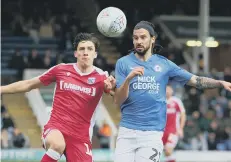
75 100
174 108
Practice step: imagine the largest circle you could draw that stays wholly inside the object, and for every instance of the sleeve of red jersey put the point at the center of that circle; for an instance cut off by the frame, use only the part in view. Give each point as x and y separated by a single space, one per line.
49 76
180 106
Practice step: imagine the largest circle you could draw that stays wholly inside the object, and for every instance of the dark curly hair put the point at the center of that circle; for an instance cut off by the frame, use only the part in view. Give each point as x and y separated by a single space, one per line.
86 37
151 25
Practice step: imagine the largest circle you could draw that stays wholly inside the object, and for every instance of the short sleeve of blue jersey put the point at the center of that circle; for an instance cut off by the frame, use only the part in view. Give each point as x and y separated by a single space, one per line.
178 74
120 73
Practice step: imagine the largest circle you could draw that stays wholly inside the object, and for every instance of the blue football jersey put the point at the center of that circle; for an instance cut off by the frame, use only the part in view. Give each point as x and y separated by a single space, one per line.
145 107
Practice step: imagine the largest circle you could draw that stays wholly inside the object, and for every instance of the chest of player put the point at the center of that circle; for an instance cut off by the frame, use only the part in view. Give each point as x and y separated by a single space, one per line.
154 76
152 72
172 108
171 111
75 84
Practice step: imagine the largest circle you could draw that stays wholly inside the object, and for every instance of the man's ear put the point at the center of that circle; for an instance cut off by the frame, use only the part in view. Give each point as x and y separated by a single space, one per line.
153 39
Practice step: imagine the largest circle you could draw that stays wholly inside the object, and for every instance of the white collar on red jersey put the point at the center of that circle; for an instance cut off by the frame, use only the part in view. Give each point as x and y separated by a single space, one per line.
80 73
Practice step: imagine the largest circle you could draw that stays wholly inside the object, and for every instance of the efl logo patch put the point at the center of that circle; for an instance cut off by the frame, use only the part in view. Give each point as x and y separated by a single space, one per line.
91 80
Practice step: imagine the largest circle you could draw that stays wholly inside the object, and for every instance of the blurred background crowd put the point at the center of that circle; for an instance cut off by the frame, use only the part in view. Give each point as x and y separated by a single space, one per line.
39 35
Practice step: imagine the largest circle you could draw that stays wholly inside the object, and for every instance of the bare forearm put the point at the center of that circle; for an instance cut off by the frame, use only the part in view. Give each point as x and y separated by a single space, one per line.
16 87
21 86
182 121
121 94
205 83
112 92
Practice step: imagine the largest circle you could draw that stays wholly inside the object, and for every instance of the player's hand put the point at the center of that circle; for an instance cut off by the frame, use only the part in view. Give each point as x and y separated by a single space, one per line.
136 71
112 80
110 83
181 133
226 85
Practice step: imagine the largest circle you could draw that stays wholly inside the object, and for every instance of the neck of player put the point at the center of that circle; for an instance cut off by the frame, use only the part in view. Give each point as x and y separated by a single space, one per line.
85 68
146 56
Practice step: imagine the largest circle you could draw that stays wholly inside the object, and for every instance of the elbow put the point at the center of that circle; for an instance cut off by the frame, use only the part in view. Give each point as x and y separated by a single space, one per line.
120 96
28 89
28 86
118 100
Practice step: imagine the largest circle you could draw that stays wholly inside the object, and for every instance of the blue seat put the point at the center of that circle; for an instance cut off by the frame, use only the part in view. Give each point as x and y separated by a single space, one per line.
4 65
8 72
14 39
5 32
27 46
24 52
5 58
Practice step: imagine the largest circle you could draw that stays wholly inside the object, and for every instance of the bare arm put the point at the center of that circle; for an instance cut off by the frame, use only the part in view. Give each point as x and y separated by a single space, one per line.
109 85
182 120
21 86
204 82
182 124
121 93
112 93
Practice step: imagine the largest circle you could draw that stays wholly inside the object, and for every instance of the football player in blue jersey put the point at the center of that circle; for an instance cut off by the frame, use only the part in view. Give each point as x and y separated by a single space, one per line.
142 77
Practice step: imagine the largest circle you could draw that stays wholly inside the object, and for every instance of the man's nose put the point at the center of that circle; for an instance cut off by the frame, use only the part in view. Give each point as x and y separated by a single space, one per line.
139 41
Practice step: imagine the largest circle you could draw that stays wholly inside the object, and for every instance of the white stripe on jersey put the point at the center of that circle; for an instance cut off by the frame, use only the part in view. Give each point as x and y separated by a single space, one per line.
179 103
93 120
79 72
177 121
101 72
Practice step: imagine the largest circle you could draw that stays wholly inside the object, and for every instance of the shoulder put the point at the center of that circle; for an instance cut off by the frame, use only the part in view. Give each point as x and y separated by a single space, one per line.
123 61
175 99
101 72
54 68
160 58
63 65
66 67
60 66
178 102
125 58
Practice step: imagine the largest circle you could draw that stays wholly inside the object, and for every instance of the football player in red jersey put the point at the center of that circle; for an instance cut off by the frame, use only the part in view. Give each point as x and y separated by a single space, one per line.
79 88
175 124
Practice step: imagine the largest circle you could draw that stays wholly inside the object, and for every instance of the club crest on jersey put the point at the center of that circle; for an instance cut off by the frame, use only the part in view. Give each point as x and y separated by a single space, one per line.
68 73
157 68
91 80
